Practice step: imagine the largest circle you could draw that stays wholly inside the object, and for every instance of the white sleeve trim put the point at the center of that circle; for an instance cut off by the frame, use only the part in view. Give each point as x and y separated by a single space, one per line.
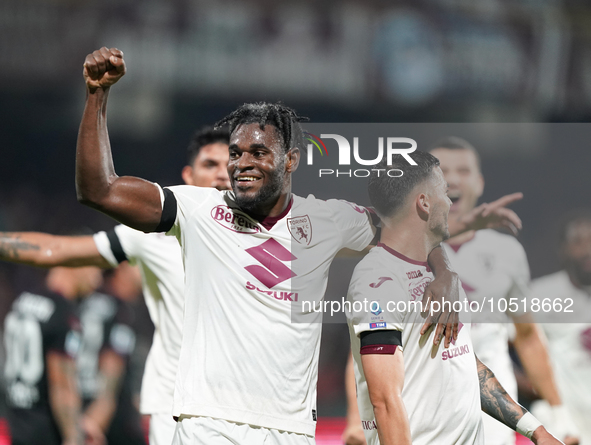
103 245
161 195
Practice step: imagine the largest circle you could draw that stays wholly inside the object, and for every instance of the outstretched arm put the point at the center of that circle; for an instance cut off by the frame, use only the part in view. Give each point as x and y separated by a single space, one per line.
132 201
45 250
498 404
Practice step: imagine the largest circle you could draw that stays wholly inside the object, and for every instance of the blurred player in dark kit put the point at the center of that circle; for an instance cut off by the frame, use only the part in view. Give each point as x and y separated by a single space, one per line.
42 338
108 341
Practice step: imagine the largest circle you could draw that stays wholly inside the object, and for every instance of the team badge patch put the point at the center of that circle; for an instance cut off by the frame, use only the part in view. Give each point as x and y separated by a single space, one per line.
300 228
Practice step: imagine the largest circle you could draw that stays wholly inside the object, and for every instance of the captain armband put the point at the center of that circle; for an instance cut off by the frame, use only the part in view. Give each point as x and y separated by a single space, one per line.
380 342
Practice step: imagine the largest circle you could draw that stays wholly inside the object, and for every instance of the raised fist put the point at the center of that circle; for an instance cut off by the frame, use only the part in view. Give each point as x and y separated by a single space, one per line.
103 68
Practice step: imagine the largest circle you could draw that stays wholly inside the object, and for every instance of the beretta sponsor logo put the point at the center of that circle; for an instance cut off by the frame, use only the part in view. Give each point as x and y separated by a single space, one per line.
234 220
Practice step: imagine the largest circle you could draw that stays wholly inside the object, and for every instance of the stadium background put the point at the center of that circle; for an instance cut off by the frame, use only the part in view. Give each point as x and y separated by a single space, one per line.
192 61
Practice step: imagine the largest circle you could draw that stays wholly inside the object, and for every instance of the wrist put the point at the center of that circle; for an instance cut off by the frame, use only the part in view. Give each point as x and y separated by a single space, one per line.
96 94
538 434
528 425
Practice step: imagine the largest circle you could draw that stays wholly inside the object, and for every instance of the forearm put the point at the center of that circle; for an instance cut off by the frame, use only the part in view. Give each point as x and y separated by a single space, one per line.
392 422
65 408
102 409
494 399
536 363
45 250
21 248
94 163
64 400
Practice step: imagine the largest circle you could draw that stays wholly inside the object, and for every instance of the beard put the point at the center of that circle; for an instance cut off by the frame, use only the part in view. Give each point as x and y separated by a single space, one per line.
266 196
439 226
580 273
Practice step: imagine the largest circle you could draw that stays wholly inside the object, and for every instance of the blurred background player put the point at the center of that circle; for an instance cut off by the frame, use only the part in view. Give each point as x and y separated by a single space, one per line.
409 389
160 261
108 341
494 266
569 342
42 337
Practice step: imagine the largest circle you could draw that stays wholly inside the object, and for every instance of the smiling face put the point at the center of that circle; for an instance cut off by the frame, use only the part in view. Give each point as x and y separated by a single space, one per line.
462 173
259 169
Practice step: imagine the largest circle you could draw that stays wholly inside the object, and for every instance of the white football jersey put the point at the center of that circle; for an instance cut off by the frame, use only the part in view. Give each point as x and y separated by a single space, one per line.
441 391
160 261
249 350
569 346
493 267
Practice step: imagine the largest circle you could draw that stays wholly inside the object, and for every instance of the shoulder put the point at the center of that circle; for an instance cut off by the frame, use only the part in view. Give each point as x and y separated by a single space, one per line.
126 232
501 244
329 205
551 283
377 271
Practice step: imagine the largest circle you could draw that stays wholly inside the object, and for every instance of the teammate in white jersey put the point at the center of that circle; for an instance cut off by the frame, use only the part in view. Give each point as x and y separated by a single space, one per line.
493 267
243 361
410 390
160 261
569 341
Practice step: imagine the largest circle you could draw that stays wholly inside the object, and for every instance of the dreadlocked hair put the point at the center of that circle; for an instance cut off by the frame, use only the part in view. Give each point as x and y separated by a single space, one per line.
285 119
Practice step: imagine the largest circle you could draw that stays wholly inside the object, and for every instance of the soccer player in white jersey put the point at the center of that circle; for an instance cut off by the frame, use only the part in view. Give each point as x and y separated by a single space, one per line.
569 337
494 271
410 390
160 261
247 374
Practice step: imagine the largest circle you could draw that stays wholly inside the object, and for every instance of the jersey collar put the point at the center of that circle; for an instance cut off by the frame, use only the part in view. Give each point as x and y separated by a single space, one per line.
403 257
270 221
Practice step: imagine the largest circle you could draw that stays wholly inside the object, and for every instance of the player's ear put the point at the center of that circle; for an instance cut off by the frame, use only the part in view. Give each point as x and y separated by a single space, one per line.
423 206
187 175
293 160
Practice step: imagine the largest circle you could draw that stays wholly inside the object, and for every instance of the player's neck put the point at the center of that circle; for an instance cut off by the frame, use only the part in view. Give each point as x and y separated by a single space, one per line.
272 210
410 238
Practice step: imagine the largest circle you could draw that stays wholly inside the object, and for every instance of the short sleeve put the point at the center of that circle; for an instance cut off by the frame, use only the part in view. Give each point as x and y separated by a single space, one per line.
186 201
374 299
63 331
354 223
103 245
